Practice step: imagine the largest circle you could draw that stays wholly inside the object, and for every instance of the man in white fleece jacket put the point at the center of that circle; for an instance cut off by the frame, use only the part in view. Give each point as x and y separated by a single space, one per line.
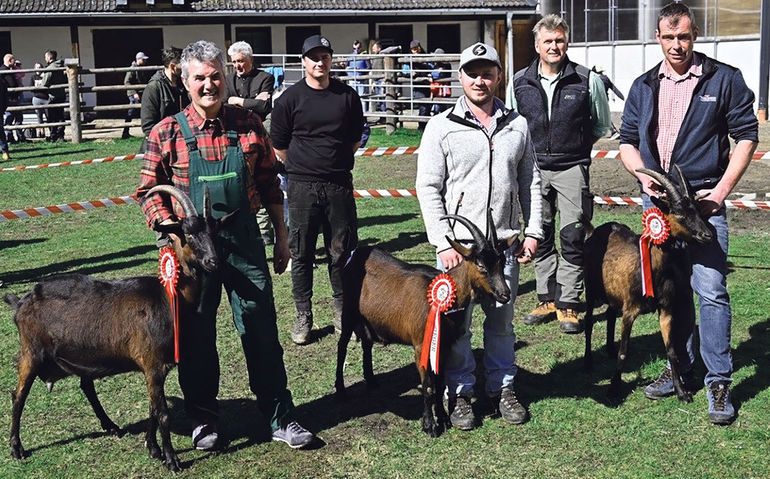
474 157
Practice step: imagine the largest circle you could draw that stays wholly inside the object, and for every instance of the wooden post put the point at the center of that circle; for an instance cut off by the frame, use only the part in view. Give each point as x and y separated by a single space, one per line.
390 94
73 74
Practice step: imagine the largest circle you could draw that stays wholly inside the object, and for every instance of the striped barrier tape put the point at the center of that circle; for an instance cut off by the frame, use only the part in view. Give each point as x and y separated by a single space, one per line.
382 151
78 162
395 193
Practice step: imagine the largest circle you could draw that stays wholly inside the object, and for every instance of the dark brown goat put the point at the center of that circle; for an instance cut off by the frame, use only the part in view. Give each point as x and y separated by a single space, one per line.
613 276
92 328
385 301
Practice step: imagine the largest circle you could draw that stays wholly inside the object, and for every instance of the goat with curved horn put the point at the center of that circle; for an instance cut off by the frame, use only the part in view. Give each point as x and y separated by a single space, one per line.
683 181
478 236
187 205
674 195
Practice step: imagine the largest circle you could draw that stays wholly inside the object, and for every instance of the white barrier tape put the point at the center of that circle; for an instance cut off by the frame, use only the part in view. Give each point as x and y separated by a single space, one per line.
78 162
395 193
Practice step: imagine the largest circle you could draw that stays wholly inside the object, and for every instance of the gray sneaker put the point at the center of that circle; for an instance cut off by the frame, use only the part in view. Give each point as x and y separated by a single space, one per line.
294 435
510 408
721 410
205 437
461 413
300 333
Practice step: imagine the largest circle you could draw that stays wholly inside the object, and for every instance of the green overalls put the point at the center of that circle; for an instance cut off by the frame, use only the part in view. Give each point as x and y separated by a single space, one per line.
246 278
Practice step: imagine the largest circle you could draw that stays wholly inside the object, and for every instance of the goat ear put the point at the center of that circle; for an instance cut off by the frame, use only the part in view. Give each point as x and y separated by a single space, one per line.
661 202
465 251
228 219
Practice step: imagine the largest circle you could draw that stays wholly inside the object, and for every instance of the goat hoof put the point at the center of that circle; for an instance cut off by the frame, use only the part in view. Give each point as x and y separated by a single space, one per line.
172 463
154 451
18 452
431 429
685 397
115 431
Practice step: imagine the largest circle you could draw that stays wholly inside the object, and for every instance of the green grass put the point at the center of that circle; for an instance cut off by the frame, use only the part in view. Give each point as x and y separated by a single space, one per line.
575 431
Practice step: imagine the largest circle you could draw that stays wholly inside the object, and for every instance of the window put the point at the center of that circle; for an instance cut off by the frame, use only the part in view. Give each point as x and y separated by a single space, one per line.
260 40
391 35
5 43
446 37
295 36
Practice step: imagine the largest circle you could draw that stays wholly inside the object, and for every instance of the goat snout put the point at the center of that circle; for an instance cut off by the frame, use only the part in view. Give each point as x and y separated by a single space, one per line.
503 297
210 264
704 236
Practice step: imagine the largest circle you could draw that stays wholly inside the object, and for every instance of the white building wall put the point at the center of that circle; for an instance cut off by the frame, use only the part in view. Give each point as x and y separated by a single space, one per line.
623 63
30 43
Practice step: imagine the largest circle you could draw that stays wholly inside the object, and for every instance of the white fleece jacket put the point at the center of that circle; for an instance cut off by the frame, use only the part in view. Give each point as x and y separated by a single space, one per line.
461 170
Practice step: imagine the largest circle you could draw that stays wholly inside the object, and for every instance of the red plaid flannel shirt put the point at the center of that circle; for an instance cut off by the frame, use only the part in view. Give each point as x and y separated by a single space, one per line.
673 101
166 159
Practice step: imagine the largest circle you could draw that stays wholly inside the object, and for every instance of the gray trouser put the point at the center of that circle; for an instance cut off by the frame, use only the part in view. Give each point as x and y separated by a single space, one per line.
560 276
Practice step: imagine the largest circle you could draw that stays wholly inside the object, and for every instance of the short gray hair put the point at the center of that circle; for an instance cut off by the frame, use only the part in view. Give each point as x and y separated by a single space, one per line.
551 23
204 52
242 48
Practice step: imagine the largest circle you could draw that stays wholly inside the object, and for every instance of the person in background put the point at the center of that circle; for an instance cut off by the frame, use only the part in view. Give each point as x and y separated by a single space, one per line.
439 87
39 98
457 160
567 112
135 77
421 78
13 80
681 112
3 105
53 74
251 88
225 150
357 67
165 94
377 64
317 127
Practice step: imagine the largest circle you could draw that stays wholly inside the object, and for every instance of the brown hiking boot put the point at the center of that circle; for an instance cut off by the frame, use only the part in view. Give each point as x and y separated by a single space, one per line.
568 321
545 311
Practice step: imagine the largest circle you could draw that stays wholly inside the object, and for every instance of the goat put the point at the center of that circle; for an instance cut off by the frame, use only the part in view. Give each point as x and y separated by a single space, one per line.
384 300
79 325
613 276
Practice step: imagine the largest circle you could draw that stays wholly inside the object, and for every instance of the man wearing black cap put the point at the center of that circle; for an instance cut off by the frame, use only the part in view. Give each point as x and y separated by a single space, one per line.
316 128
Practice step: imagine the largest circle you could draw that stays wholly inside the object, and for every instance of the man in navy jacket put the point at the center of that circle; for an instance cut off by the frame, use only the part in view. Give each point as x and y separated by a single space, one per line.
682 112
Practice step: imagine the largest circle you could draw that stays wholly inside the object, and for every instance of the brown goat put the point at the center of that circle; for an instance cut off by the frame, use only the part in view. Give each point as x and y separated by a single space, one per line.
384 301
92 328
613 276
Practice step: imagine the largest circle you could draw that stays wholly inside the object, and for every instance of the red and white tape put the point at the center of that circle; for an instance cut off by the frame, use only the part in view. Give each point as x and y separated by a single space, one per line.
382 151
78 162
395 193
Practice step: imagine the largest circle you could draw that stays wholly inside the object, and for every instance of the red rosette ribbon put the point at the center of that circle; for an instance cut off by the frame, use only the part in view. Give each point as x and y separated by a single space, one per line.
169 275
656 230
441 296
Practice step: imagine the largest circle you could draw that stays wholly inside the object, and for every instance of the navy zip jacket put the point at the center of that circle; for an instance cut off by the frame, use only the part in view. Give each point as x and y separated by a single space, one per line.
721 105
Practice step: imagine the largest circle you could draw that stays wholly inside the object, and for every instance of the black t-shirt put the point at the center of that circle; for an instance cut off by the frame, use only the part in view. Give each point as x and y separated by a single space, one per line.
319 129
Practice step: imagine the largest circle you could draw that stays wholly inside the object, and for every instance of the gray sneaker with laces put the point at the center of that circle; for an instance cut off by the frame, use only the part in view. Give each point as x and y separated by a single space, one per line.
721 410
461 413
511 409
300 333
294 435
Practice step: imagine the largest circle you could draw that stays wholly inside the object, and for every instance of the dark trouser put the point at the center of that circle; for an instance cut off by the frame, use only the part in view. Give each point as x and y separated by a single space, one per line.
56 115
423 109
14 118
319 206
250 290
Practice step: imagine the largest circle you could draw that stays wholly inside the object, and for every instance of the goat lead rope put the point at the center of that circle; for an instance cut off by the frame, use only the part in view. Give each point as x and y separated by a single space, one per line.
169 275
656 230
441 296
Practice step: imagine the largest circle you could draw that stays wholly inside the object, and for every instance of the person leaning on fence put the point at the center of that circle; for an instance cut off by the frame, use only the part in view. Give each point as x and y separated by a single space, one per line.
317 127
3 105
165 94
54 75
225 150
135 77
439 87
251 88
459 172
377 65
421 79
695 104
13 80
39 98
567 112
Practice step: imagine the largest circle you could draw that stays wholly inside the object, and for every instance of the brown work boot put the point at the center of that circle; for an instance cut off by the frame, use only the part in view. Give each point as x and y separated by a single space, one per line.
568 321
545 311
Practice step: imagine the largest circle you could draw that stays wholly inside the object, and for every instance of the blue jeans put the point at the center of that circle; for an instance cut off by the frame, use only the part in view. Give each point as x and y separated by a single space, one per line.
499 337
709 282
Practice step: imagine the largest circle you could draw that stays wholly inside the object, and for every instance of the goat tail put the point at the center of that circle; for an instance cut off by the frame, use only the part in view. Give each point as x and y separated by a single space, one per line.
12 300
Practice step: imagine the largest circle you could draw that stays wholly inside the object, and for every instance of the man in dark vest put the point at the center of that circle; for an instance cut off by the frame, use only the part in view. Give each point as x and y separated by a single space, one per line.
567 111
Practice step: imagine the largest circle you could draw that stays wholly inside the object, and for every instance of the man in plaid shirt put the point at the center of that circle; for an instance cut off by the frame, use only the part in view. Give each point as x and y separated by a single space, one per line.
226 150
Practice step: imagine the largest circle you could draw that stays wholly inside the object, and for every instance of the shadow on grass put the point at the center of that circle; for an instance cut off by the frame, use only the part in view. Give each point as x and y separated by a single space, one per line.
384 219
82 265
53 156
404 241
755 351
14 243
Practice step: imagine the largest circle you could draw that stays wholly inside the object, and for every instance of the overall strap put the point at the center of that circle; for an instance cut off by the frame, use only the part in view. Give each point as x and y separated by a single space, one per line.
189 138
232 135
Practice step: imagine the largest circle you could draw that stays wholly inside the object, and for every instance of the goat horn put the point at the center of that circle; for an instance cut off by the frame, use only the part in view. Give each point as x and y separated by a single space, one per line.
673 193
478 237
206 203
491 231
187 205
685 184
